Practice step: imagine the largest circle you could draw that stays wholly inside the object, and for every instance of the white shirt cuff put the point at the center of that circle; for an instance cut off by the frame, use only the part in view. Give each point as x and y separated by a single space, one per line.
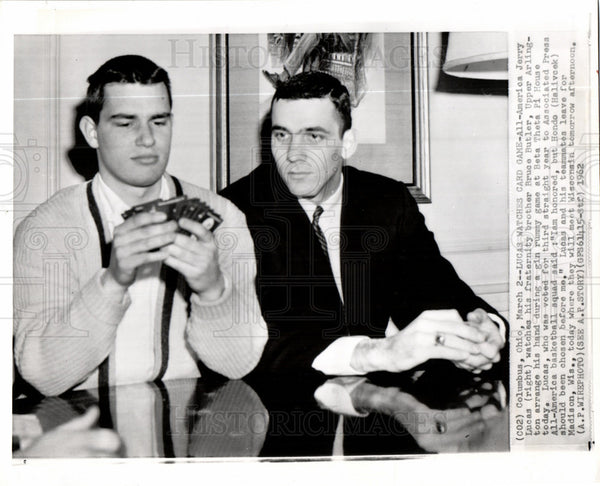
335 359
501 326
334 395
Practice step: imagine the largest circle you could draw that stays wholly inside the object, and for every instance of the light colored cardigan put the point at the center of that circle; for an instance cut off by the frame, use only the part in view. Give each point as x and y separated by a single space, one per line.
65 322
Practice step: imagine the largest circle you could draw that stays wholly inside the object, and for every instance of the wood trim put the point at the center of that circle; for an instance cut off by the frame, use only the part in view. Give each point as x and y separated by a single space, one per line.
474 246
421 190
219 111
490 288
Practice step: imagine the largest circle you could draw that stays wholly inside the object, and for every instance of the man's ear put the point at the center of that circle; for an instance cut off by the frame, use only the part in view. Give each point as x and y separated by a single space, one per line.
88 129
348 144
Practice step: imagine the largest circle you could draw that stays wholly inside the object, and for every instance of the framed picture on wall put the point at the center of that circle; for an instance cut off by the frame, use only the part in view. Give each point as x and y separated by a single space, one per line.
385 73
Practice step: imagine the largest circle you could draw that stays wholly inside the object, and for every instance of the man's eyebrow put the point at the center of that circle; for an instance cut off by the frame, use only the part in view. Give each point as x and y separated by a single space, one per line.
305 130
128 116
122 115
315 129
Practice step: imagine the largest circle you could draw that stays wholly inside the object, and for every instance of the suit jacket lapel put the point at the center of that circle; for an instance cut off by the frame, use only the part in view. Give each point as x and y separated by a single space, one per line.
355 260
350 209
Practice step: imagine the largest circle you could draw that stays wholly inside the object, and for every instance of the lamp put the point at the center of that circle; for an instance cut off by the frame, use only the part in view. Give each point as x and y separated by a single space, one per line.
478 55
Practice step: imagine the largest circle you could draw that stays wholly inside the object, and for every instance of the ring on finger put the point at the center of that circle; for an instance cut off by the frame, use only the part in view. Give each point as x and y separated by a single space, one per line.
440 339
440 426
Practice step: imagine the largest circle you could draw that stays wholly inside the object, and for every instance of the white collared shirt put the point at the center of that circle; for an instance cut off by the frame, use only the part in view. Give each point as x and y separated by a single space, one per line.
134 343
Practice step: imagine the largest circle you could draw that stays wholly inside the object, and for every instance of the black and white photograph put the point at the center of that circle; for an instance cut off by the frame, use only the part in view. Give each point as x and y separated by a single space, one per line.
321 306
348 247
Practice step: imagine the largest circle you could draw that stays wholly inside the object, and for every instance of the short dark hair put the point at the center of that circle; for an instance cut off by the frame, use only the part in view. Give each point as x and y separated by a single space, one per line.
317 84
122 69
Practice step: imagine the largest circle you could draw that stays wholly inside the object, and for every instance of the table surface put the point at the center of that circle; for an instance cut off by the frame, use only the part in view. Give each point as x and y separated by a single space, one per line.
437 410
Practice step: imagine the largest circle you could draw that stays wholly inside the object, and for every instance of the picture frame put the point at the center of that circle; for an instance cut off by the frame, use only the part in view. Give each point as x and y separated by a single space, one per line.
239 102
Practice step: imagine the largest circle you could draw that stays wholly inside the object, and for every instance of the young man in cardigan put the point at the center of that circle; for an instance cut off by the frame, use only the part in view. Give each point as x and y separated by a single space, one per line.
138 299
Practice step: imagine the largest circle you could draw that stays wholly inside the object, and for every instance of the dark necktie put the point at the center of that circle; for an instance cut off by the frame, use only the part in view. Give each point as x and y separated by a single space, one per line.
317 229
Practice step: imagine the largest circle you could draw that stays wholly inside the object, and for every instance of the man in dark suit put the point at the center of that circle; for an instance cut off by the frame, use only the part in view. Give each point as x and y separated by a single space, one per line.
350 280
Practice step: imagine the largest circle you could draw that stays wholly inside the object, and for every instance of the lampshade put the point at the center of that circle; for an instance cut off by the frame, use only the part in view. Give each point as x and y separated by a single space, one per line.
479 55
